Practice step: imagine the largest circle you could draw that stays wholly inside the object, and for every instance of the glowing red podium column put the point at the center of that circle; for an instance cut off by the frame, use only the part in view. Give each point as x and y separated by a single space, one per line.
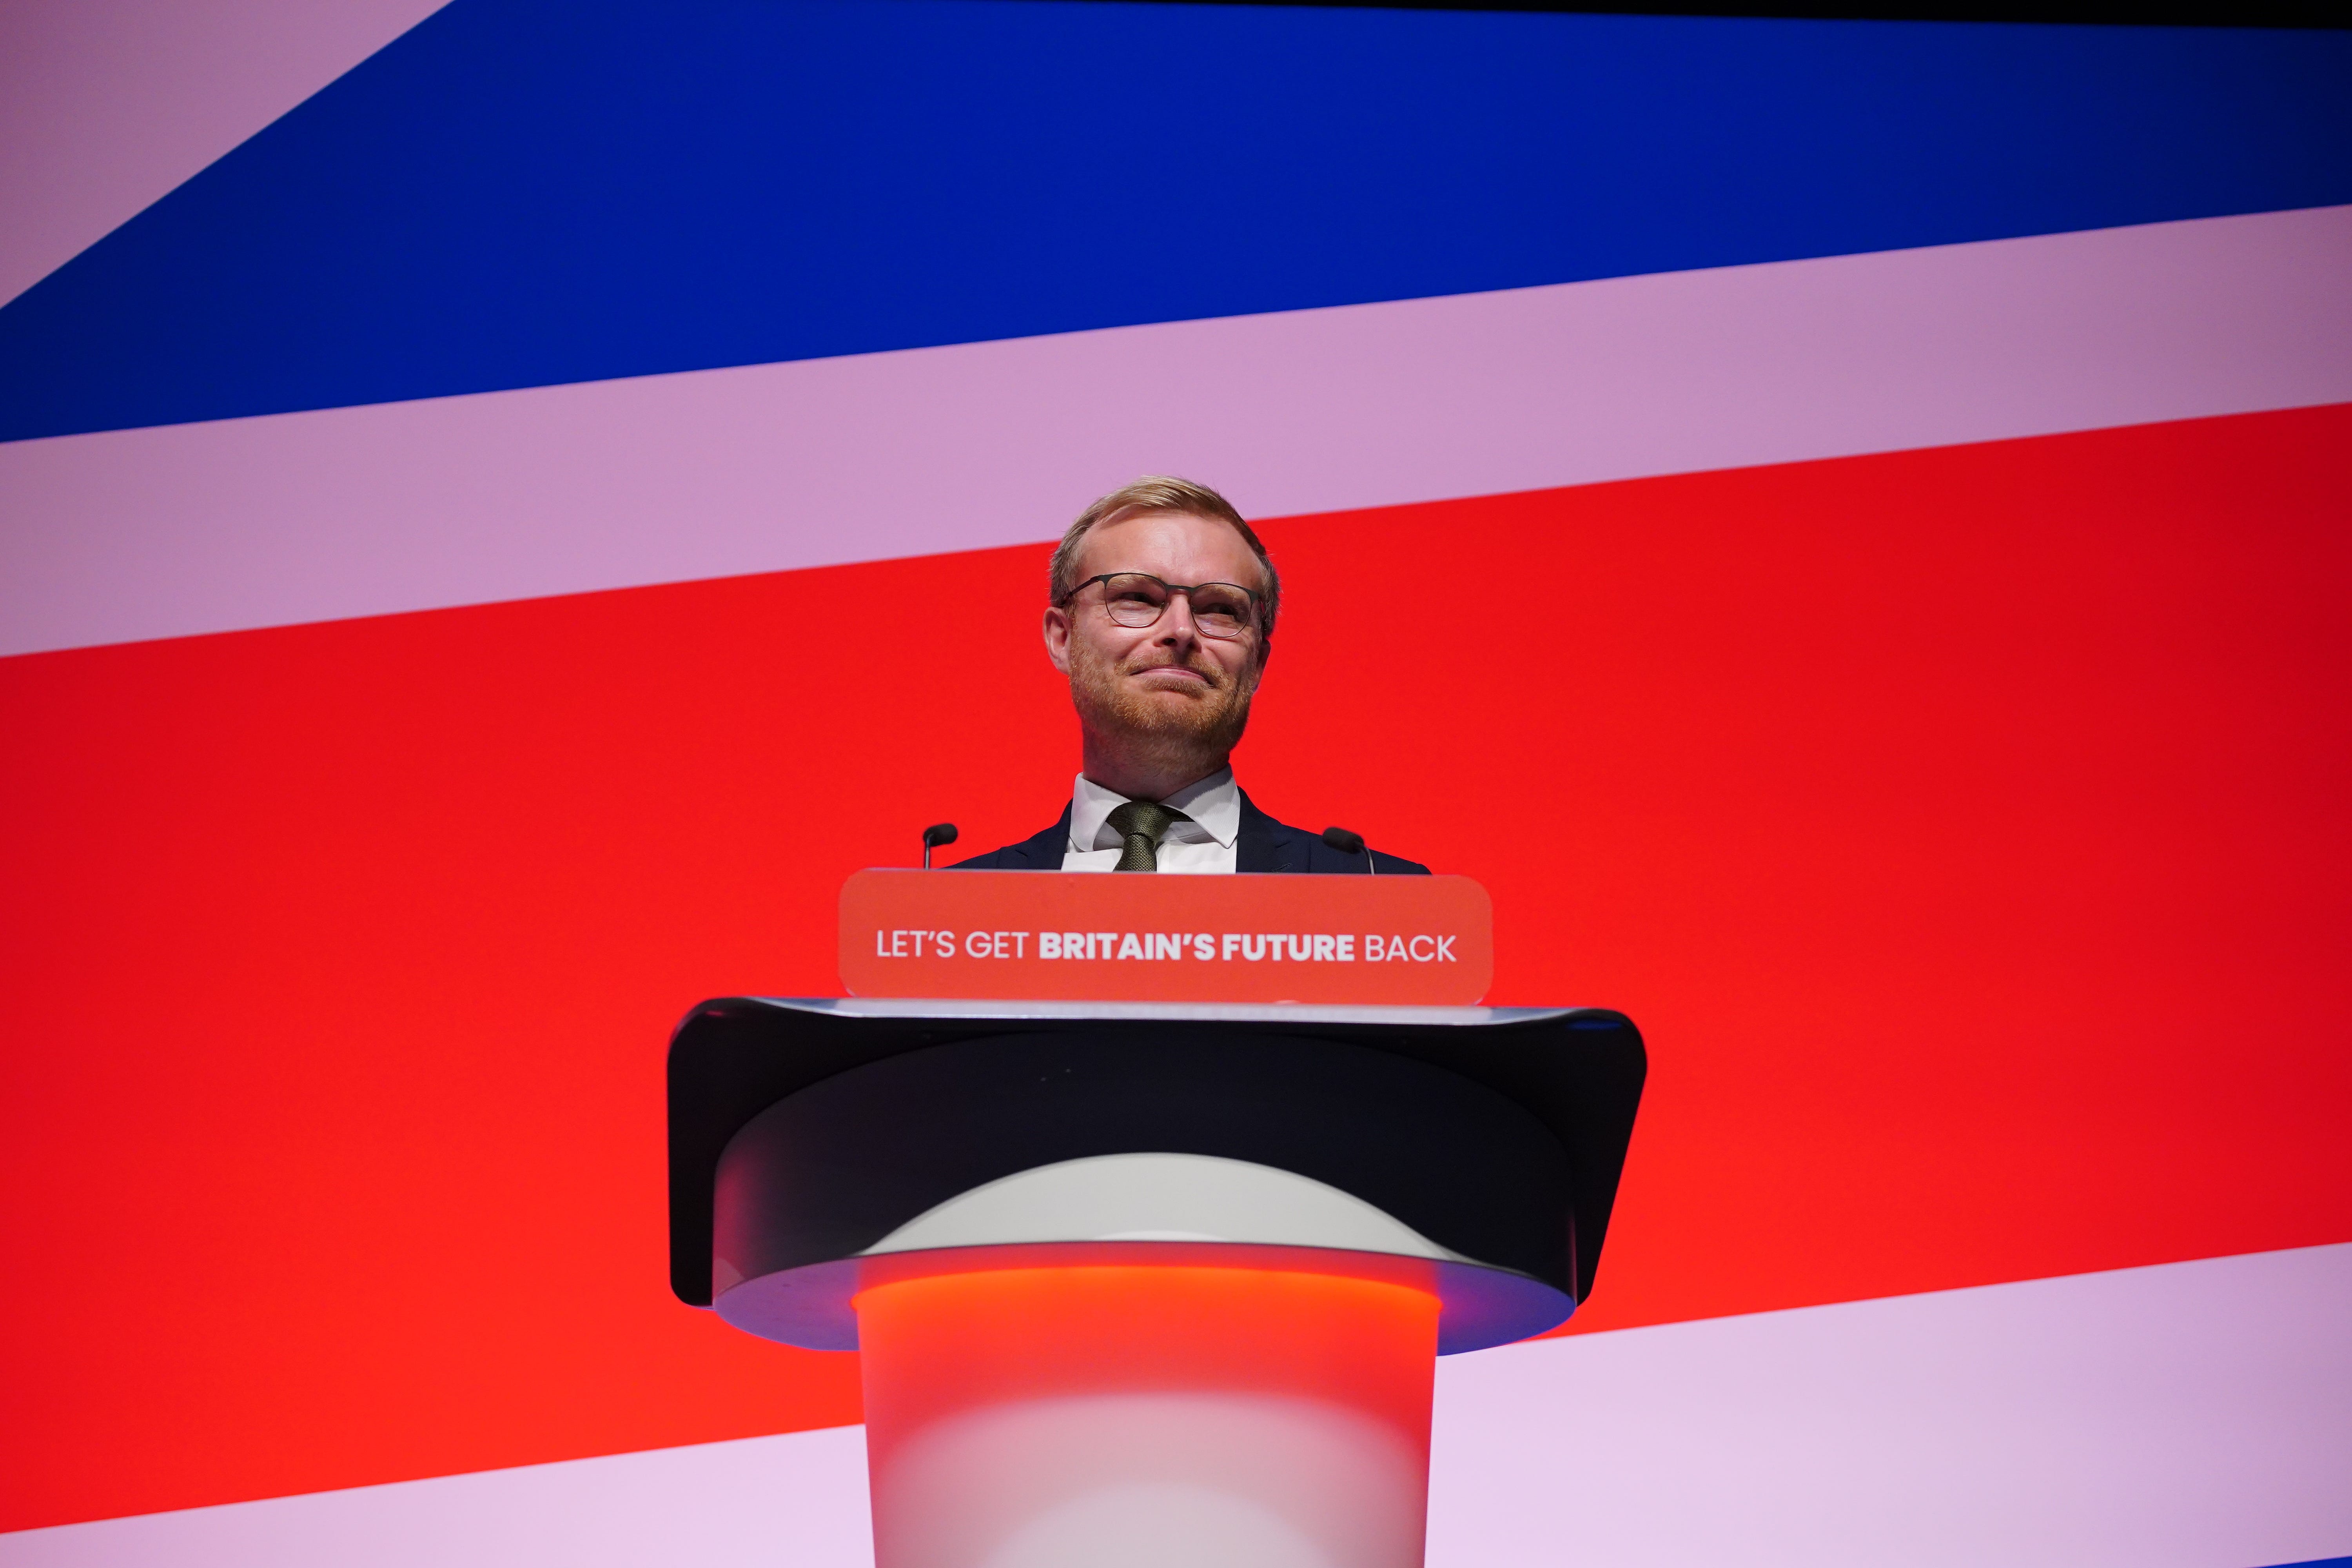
1071 1417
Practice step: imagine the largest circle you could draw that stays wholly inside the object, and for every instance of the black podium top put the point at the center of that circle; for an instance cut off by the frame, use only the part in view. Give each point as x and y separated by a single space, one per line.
1498 1133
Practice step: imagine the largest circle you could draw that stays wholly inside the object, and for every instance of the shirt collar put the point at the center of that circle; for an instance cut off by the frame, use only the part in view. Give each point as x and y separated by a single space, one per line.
1214 804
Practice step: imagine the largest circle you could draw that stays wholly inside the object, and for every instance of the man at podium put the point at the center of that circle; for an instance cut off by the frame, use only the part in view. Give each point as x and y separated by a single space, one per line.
1161 613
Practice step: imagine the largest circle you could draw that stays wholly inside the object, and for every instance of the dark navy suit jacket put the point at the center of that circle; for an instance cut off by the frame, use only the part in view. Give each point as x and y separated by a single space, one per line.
1262 845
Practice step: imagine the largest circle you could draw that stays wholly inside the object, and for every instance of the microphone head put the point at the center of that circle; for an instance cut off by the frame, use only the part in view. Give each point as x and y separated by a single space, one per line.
1342 840
939 833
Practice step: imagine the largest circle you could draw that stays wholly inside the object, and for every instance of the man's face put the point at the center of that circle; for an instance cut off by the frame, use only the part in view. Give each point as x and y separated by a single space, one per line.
1165 682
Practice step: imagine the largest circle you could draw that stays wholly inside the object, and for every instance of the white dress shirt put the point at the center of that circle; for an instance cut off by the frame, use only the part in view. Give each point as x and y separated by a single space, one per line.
1205 843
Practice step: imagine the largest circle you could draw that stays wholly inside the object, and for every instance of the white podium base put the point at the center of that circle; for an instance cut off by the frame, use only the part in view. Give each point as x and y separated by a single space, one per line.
1150 1417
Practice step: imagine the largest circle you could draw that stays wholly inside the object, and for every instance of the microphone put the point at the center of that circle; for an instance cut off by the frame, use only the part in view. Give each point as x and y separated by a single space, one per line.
936 834
1348 843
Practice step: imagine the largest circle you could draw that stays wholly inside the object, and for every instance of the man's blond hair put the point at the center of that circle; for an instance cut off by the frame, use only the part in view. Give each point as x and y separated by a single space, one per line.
1158 492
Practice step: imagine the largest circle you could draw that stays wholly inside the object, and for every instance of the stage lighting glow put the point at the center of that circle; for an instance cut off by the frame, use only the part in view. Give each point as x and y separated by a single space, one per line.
1153 1417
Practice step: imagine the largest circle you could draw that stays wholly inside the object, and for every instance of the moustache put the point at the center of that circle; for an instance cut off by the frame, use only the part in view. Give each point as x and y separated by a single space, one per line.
1208 672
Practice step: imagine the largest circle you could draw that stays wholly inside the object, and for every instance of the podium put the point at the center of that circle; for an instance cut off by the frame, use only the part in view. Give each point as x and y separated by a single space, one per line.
1145 1283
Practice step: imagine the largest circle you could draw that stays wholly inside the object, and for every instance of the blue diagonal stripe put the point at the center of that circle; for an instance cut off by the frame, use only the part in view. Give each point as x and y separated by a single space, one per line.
523 192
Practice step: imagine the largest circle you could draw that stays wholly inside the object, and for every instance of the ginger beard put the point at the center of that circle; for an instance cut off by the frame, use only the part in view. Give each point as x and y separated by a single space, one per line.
1178 727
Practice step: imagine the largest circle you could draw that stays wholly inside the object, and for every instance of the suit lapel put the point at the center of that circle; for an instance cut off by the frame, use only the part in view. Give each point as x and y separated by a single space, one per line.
1262 843
1043 851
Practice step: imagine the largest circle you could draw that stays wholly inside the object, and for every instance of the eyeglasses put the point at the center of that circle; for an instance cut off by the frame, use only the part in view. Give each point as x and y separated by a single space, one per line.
1138 599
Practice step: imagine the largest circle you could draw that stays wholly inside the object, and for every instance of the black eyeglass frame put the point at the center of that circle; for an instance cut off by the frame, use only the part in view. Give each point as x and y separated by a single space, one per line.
1256 601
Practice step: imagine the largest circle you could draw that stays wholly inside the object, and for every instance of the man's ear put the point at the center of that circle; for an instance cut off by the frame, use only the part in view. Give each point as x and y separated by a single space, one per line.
1057 637
1258 666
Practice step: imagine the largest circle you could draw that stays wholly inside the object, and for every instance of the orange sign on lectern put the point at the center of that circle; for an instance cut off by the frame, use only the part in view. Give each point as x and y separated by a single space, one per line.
1096 936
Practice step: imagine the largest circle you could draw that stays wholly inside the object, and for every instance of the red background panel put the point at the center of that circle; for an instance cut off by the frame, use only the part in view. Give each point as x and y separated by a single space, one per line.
1966 829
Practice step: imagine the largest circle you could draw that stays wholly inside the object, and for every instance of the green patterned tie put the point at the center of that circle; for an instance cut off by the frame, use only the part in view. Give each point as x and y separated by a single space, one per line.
1142 824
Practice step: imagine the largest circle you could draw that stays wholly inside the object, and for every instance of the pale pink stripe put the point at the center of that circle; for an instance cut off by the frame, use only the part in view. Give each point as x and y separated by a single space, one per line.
797 1499
192 529
2193 1416
106 105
